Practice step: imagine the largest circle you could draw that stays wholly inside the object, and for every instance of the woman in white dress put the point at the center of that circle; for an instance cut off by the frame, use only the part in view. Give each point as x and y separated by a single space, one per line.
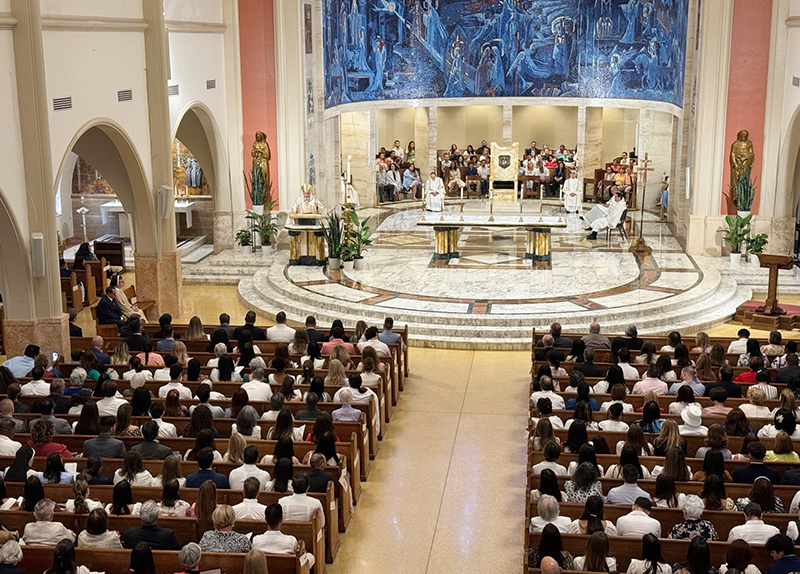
596 558
652 561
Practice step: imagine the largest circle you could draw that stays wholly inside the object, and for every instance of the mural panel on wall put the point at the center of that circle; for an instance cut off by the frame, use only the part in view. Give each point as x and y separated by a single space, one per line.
407 49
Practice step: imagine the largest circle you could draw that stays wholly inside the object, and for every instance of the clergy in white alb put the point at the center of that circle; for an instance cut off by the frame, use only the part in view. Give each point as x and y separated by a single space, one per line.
607 215
434 193
571 189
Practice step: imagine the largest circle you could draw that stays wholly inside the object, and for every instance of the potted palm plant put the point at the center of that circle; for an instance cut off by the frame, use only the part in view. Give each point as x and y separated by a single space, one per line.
744 190
360 236
257 189
265 224
244 239
738 228
333 230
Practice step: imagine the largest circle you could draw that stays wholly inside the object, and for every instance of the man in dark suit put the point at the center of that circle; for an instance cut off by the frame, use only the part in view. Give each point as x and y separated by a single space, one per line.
61 404
249 325
587 367
150 449
546 348
318 478
205 457
97 350
165 328
559 342
45 407
225 323
135 338
104 446
726 382
107 311
311 331
748 474
790 374
158 538
74 330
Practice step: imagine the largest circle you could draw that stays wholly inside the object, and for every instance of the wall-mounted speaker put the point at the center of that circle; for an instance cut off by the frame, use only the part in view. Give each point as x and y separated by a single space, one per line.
165 194
37 254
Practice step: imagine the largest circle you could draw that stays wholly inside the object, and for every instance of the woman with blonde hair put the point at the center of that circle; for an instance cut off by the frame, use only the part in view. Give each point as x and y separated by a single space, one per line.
755 408
543 434
336 374
255 562
782 449
703 368
121 354
340 353
170 470
702 343
180 353
788 402
668 439
236 446
195 332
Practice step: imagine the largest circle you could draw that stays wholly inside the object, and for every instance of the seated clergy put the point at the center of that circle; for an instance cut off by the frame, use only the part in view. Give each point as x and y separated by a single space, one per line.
606 215
434 193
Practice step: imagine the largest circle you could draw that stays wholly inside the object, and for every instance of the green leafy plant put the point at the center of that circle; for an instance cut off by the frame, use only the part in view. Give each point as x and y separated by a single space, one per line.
360 234
757 243
736 233
348 251
333 230
265 224
244 238
744 190
257 186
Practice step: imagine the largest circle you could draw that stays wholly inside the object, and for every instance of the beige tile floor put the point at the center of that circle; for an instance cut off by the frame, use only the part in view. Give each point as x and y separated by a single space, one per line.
446 493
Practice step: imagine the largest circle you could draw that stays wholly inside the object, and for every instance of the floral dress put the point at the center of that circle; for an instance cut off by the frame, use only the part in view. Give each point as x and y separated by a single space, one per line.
692 527
216 541
574 494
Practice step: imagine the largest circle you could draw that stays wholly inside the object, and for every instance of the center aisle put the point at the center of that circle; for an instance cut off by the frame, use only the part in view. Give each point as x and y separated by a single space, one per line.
447 483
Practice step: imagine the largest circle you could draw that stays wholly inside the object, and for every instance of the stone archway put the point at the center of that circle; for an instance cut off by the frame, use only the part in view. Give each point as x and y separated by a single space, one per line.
197 129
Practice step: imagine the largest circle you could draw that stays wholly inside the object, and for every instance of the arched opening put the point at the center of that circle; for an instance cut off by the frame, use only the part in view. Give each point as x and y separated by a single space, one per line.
202 185
16 276
109 200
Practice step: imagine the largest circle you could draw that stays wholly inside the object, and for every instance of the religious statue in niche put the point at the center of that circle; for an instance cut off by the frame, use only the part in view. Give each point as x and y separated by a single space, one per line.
261 156
194 174
742 157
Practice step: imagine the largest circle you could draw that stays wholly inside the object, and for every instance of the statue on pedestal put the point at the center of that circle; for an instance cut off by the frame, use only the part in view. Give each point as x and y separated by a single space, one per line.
742 157
261 155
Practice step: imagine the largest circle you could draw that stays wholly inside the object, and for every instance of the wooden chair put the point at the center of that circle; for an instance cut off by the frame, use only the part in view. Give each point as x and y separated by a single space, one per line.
473 186
144 305
526 191
619 227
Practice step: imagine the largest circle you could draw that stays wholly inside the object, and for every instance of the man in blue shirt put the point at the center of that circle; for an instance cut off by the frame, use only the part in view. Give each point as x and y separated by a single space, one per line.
21 365
784 560
688 377
204 459
387 336
97 350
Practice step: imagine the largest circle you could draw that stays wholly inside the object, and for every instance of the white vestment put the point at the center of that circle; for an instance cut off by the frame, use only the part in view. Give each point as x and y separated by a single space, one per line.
572 198
349 194
613 214
434 194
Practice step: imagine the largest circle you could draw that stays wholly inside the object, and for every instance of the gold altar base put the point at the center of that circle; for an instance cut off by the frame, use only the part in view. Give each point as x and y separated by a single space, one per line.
537 248
306 247
445 243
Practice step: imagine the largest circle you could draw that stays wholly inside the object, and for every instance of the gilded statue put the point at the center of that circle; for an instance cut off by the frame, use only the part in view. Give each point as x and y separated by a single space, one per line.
742 156
261 155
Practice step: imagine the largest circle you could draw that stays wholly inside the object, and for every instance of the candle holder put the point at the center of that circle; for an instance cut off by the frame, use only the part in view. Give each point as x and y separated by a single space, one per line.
423 211
520 212
461 218
491 209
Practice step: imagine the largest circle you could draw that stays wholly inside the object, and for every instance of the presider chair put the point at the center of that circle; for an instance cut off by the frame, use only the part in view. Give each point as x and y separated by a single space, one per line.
620 227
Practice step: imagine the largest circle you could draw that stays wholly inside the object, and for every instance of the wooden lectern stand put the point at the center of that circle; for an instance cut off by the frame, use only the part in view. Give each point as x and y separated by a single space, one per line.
773 263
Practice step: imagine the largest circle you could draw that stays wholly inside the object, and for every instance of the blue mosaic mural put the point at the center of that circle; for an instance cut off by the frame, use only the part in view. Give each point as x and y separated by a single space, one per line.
405 49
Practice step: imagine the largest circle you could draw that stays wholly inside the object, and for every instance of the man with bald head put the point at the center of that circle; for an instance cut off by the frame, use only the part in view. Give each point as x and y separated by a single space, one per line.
97 350
594 340
7 412
550 566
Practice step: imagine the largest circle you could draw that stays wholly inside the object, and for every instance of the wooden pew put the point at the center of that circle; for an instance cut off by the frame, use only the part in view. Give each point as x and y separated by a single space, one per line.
70 288
143 304
100 268
60 493
631 418
186 529
112 250
87 278
626 549
723 520
40 558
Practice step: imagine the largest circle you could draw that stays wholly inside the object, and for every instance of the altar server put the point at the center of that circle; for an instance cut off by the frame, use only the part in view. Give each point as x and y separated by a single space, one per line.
572 201
434 193
607 215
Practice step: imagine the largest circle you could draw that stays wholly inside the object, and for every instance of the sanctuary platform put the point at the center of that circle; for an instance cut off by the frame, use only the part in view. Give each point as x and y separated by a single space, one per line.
490 296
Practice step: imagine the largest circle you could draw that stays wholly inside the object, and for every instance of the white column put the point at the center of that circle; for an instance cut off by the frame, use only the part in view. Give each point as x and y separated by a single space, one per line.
290 100
508 122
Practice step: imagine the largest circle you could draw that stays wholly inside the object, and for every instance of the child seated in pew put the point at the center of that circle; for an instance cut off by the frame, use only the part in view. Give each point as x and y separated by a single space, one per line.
614 421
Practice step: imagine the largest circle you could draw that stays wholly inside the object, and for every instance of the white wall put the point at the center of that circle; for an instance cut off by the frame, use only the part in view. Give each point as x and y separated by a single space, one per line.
394 124
551 125
619 131
89 67
12 169
468 125
194 10
96 8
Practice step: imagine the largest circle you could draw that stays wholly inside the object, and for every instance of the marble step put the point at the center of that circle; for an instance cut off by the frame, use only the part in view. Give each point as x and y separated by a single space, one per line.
461 333
272 284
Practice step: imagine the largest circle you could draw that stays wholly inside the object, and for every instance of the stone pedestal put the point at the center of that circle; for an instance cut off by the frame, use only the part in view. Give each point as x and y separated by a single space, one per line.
223 230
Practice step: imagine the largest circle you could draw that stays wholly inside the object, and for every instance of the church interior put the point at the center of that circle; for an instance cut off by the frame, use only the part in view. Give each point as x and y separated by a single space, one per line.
461 266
